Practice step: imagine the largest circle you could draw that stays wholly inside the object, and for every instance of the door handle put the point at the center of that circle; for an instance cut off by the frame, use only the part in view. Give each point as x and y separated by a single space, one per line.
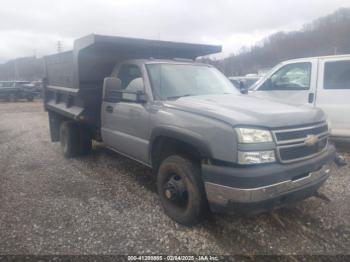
109 109
311 98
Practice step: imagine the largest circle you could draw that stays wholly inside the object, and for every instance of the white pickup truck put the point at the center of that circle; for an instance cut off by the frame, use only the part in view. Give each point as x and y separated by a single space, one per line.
318 81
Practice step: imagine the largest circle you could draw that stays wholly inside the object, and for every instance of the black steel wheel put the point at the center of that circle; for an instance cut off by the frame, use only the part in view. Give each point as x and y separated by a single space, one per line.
175 191
181 190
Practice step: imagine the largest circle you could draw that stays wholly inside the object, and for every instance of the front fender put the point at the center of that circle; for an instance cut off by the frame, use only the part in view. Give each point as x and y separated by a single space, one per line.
183 135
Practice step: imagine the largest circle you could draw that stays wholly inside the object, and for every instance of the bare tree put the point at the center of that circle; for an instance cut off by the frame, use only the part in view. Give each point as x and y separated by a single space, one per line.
325 36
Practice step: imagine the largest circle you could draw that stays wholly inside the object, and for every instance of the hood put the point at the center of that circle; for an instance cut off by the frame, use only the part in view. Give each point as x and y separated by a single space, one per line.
248 110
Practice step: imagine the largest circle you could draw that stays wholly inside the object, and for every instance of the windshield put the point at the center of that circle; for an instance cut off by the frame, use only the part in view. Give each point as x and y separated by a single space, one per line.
171 81
256 85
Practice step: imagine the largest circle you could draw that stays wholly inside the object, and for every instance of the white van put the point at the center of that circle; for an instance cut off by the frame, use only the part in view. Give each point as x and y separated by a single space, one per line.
318 81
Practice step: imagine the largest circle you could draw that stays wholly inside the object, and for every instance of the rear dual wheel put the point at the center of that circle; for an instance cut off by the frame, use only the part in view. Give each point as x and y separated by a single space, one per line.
75 140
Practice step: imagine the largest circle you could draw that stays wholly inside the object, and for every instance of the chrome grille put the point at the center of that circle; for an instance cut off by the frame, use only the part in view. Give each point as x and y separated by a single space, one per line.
292 143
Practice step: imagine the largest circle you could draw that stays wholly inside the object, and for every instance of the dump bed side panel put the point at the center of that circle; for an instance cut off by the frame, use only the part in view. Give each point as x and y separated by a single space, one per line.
60 69
74 79
61 94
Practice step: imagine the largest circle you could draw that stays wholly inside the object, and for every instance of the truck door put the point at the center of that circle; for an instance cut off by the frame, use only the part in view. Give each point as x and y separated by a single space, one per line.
125 124
293 83
333 93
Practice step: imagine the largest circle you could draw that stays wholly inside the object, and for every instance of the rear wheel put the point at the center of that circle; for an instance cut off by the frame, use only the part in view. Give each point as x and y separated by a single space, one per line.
69 137
181 190
85 142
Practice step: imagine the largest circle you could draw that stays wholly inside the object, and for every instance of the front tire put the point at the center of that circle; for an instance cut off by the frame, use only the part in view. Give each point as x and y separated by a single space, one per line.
181 190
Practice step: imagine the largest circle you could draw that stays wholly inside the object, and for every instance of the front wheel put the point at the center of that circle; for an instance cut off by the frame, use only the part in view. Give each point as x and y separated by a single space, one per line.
181 190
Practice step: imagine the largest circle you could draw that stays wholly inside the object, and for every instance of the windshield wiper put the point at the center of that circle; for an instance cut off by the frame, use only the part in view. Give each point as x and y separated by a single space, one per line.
177 97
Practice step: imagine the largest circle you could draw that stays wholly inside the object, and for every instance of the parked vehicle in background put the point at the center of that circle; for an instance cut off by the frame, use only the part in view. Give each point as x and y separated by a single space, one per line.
209 146
35 87
263 71
12 91
243 83
322 82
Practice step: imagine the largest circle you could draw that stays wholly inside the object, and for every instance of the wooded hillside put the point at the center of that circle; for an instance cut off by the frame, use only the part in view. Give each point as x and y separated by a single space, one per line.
325 36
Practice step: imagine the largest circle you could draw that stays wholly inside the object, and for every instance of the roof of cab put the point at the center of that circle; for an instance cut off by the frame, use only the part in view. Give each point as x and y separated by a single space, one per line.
316 58
162 61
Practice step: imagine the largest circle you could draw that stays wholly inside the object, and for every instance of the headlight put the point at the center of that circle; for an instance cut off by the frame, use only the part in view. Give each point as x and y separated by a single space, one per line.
258 157
252 135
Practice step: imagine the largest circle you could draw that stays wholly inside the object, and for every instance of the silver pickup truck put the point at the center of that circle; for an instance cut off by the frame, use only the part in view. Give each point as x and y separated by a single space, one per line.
210 147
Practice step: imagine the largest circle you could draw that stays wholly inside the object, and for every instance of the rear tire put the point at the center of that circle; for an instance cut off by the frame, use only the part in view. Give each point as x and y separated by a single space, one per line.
181 190
69 137
85 142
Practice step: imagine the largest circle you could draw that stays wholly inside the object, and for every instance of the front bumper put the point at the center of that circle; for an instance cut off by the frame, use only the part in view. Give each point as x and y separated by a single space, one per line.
259 188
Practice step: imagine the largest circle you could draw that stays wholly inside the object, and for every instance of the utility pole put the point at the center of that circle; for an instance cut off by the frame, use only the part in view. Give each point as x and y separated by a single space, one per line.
59 46
16 72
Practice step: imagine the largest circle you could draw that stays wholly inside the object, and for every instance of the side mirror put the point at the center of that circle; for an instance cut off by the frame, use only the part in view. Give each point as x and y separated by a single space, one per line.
136 97
266 85
242 88
134 92
142 97
112 87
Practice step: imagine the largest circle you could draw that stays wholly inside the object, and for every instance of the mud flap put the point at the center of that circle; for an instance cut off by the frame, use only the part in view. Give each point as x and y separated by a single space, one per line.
54 123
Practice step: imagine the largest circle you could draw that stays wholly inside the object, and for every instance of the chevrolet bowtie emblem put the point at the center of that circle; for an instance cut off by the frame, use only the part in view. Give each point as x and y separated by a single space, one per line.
311 140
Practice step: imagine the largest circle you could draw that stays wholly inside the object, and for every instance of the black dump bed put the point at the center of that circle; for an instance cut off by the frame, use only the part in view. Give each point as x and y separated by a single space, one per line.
74 79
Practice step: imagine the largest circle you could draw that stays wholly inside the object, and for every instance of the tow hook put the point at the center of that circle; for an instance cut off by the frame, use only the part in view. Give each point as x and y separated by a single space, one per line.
322 196
340 160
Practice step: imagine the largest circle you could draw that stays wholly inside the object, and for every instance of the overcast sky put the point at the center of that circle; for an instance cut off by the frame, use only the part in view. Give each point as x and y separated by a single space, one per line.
33 27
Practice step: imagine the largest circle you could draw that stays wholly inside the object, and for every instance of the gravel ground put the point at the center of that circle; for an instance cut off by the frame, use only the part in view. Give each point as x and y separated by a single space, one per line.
107 204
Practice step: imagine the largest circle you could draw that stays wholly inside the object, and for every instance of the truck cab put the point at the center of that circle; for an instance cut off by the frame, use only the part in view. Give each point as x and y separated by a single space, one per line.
210 147
322 82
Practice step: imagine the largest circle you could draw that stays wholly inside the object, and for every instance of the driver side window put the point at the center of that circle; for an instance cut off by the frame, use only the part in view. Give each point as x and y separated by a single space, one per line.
290 77
128 73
